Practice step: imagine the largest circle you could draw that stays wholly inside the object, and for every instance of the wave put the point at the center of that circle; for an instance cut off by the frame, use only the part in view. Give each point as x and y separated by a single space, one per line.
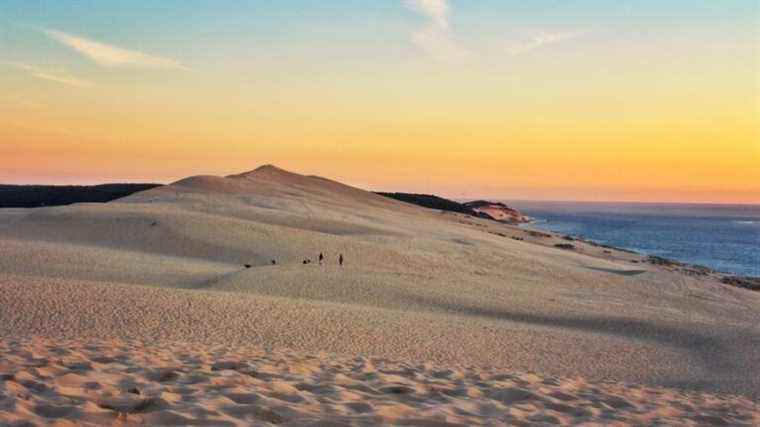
747 222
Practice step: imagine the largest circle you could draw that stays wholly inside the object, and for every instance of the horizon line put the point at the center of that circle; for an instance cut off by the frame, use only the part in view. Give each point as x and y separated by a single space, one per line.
443 194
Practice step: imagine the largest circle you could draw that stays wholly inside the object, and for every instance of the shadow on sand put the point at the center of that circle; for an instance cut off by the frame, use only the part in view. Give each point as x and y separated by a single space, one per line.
616 271
725 355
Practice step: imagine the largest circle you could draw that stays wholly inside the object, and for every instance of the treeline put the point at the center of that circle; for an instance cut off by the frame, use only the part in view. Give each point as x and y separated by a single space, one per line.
34 196
434 202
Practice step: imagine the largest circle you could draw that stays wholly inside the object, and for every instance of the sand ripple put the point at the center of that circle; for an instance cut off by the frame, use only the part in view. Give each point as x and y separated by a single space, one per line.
44 381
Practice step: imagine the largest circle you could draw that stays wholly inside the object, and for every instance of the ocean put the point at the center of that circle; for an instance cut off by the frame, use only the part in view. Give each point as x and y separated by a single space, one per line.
723 237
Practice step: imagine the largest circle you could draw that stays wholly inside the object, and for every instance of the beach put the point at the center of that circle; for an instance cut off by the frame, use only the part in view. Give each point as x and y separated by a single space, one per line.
722 237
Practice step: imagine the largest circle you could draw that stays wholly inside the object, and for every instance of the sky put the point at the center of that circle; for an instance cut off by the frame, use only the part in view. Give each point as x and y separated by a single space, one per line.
546 100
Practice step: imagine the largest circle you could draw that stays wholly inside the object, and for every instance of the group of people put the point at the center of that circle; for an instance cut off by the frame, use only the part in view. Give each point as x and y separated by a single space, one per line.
321 259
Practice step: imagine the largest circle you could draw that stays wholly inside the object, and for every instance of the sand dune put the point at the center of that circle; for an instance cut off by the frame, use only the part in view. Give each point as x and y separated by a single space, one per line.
167 266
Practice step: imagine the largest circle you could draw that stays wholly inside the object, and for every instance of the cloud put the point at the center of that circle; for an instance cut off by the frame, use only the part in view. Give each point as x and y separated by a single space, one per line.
111 56
56 75
540 40
436 10
434 37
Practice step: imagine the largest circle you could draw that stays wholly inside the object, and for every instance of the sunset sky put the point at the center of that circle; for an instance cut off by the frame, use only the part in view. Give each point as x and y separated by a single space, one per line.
570 100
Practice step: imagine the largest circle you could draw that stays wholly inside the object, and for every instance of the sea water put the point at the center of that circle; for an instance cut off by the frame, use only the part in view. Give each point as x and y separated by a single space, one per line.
723 237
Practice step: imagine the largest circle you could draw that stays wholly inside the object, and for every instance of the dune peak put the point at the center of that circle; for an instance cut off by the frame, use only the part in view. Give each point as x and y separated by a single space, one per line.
266 169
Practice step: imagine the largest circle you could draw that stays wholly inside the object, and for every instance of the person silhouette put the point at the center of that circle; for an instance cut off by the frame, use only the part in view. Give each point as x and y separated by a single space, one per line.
321 258
340 259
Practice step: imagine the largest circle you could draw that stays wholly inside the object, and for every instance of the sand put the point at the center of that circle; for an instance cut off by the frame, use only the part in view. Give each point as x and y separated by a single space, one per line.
112 382
166 268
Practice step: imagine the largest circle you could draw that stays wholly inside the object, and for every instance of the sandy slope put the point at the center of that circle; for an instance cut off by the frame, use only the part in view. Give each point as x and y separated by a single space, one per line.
130 383
417 285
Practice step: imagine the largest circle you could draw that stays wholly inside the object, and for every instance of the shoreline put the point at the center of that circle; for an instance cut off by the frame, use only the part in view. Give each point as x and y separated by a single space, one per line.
726 277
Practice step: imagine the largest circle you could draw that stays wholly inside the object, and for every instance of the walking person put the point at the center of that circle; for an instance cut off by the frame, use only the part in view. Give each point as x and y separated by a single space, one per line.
321 258
340 260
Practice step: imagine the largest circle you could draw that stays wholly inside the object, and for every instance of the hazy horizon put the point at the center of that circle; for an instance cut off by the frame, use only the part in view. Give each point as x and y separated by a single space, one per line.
443 193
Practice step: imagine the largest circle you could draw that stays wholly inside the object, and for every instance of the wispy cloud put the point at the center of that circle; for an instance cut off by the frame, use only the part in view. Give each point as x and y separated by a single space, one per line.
540 40
435 36
58 75
112 56
436 10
